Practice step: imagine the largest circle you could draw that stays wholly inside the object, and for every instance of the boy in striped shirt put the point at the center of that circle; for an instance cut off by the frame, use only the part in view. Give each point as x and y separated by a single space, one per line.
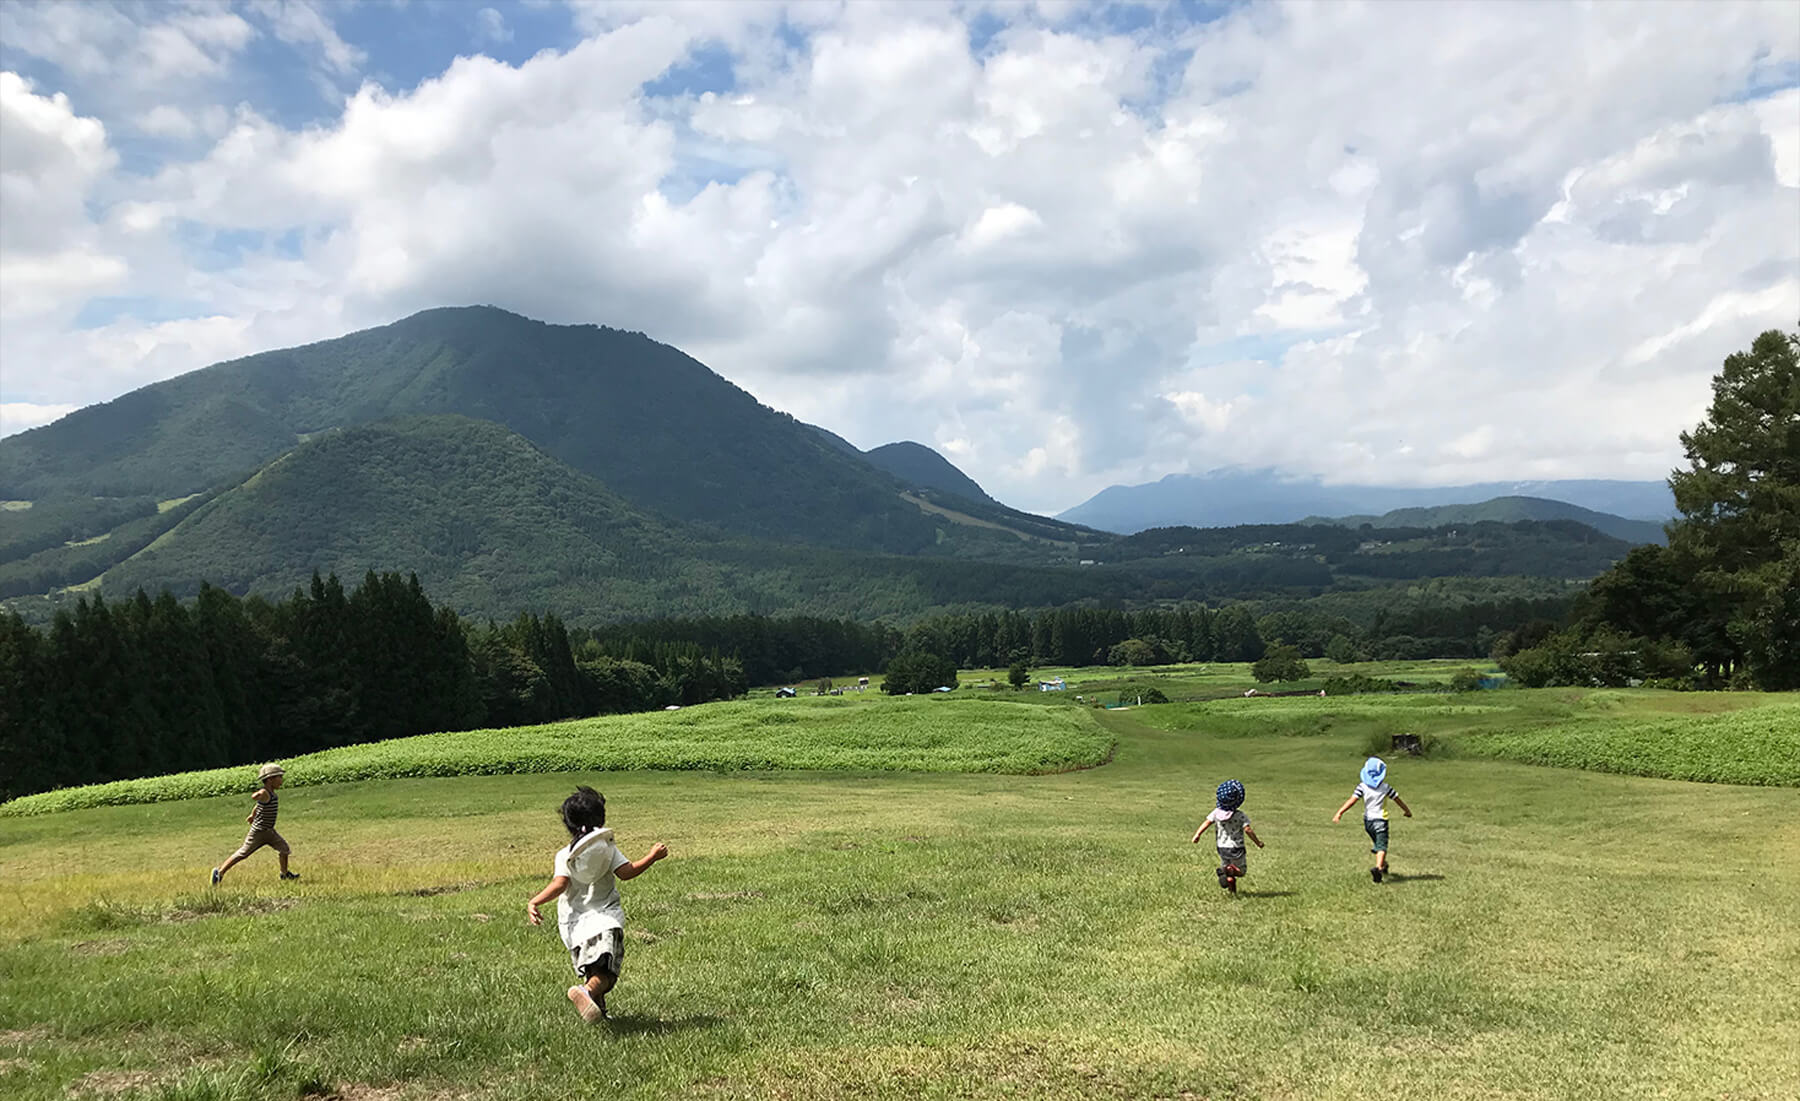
1374 791
262 825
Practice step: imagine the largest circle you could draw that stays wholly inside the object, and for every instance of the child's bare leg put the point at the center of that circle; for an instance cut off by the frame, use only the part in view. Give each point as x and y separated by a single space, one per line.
230 862
599 986
1381 861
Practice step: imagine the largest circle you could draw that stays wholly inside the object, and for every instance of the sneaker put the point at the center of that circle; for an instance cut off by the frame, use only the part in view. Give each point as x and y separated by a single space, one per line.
585 1005
290 875
1375 874
216 876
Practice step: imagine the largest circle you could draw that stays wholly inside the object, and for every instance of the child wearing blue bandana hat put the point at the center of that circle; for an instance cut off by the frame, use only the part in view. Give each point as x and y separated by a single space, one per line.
1374 790
1233 826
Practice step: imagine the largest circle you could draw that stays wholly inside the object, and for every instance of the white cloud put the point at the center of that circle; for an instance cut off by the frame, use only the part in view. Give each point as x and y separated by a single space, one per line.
303 23
490 26
1494 247
17 416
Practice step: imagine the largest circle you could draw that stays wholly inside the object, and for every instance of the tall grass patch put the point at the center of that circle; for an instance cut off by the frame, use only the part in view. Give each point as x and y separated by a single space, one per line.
834 733
1759 746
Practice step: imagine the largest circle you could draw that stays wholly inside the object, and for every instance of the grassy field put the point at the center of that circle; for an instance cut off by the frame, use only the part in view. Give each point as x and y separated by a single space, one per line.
1548 932
919 734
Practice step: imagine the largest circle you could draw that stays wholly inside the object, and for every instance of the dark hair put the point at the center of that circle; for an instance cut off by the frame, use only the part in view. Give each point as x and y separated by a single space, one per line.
584 811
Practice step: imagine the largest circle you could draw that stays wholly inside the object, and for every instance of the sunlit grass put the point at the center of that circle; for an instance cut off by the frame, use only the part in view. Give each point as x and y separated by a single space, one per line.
827 935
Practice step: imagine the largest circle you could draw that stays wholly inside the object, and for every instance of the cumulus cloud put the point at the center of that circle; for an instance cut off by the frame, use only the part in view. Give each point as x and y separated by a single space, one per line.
1493 247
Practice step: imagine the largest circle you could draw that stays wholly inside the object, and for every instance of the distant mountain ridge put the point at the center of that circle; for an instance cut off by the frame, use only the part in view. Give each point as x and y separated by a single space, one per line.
1507 510
656 426
1235 496
921 466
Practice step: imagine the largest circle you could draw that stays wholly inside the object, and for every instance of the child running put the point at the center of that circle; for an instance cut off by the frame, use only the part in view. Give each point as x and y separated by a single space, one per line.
590 918
1232 826
262 826
1374 791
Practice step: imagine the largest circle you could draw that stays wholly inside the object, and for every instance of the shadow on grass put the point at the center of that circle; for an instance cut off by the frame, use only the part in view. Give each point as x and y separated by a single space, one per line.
1267 894
656 1026
1396 877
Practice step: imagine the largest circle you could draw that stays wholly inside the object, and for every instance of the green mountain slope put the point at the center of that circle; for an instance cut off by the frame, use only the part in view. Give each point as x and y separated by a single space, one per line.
493 525
1508 510
655 425
918 465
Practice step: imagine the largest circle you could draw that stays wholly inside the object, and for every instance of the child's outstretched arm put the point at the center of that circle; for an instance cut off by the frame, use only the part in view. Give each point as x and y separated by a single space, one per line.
1348 803
1251 834
1201 832
638 867
1402 803
552 889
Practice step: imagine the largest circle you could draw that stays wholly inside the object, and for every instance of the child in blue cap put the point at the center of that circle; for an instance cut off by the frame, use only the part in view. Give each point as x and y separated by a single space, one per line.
1374 790
1233 826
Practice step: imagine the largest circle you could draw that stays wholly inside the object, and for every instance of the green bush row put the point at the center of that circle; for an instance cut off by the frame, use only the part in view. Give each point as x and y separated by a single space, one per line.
834 733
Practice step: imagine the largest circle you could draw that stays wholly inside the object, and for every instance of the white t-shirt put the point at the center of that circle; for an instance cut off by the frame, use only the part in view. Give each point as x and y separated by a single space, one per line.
1228 825
1375 799
590 904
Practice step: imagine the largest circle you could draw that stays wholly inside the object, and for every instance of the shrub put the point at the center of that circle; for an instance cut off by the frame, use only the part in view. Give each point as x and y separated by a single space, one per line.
1281 663
1357 683
1465 680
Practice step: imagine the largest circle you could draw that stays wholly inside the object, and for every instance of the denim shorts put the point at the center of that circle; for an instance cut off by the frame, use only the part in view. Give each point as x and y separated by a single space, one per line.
1376 828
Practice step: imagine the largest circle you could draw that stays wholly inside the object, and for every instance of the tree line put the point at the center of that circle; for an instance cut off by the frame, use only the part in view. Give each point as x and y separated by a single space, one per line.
151 685
1720 605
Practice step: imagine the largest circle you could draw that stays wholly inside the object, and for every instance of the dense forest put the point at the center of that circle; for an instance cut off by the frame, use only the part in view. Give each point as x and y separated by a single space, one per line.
147 686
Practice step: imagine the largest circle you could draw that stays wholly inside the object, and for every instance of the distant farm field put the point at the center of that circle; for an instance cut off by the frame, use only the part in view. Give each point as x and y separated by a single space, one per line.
862 933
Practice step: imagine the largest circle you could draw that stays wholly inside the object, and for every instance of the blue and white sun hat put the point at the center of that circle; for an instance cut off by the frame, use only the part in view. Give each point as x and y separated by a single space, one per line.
1374 771
1231 795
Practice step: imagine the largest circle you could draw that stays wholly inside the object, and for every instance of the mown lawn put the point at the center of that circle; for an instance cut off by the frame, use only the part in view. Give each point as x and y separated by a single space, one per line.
1549 933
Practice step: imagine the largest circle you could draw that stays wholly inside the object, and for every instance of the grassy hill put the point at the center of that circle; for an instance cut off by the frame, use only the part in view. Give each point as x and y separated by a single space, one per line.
493 525
1506 510
655 425
918 465
858 934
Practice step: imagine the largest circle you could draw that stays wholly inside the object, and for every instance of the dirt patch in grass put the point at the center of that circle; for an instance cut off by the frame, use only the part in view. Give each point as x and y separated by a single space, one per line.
721 896
17 1066
440 889
106 1083
24 1037
104 914
112 946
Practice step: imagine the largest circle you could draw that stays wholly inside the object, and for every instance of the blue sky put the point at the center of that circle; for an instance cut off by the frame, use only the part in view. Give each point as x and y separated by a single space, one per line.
1078 244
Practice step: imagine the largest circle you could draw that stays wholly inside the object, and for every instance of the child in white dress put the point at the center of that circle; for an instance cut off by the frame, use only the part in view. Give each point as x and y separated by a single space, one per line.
590 918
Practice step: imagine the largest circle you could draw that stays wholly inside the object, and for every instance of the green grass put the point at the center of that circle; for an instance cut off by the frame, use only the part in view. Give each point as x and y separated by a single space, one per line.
920 734
1760 746
1734 738
881 934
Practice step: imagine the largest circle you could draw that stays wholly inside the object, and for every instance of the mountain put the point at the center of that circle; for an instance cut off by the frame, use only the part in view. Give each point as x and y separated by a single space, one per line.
656 426
494 525
1508 510
1237 496
918 465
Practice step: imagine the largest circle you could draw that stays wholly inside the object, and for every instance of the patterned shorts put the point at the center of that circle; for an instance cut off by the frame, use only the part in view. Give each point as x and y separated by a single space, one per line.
601 954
